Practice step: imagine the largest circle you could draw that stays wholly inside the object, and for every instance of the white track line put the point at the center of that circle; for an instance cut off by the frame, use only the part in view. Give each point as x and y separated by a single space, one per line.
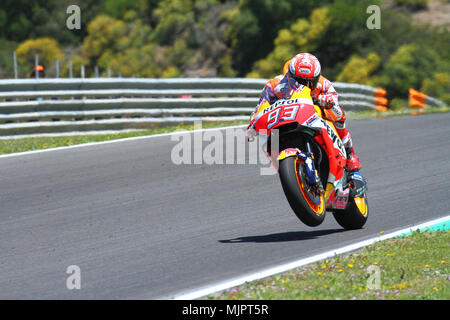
298 263
82 145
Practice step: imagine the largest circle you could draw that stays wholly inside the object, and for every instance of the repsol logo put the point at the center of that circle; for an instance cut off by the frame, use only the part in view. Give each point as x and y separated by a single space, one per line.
335 138
281 103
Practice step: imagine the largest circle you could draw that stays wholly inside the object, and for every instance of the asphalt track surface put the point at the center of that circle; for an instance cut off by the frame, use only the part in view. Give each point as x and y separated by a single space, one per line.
141 227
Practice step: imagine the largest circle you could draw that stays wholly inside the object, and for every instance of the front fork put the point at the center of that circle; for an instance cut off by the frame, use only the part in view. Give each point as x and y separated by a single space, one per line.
311 172
312 176
356 183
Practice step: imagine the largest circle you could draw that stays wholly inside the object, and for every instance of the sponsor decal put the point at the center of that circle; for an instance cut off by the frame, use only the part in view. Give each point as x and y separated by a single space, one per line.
311 120
305 71
306 62
288 113
336 141
273 118
336 109
338 200
281 103
357 176
289 153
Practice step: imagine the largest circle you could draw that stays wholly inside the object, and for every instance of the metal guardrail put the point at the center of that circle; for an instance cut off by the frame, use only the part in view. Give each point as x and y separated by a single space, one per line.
434 102
32 106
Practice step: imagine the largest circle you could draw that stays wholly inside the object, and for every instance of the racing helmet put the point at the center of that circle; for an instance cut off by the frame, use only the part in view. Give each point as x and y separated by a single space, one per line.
305 69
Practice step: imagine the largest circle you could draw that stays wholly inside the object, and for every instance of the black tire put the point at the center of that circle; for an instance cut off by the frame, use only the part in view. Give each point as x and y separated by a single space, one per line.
352 218
291 187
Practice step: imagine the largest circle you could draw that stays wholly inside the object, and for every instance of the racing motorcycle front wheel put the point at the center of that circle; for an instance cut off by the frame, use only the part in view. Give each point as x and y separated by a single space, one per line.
306 201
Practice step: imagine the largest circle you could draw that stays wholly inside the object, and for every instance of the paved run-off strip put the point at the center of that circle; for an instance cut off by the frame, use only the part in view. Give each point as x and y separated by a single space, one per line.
433 225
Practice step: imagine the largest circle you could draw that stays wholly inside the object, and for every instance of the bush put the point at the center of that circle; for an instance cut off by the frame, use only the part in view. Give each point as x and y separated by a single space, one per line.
408 67
6 58
303 36
47 50
358 69
438 86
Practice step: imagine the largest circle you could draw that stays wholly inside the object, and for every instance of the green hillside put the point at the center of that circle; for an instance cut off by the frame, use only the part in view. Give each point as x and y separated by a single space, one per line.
245 38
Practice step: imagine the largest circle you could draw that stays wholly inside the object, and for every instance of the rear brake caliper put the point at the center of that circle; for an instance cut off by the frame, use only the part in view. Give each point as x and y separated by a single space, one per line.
357 184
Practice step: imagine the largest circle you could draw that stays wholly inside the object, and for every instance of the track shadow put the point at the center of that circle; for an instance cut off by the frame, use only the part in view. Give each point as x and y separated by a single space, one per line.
284 236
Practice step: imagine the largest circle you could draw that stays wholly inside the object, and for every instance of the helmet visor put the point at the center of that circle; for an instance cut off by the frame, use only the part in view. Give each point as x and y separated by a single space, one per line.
307 82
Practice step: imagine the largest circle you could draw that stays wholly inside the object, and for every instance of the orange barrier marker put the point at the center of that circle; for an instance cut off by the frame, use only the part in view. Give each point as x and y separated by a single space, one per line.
416 99
381 101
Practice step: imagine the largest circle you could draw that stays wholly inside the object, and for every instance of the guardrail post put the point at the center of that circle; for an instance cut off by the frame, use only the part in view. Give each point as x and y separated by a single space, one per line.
36 63
16 73
57 68
70 69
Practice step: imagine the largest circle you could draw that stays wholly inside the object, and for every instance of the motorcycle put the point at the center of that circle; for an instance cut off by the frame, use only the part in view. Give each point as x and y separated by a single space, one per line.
312 161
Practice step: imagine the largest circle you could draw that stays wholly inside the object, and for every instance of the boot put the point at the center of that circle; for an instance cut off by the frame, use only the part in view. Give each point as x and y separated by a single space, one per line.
353 163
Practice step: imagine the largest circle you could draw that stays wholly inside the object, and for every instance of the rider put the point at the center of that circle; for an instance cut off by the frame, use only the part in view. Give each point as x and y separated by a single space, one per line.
304 69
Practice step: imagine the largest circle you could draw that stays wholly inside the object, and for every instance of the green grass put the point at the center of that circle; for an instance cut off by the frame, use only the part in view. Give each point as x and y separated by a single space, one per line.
46 142
411 267
396 112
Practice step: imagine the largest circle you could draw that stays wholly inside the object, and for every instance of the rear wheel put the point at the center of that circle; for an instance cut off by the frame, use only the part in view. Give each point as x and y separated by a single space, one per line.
356 214
308 204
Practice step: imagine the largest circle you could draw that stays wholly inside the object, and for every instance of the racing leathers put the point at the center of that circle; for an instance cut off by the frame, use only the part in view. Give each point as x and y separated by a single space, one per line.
325 96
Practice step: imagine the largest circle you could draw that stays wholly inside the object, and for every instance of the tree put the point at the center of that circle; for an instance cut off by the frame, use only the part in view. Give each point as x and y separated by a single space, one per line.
105 34
122 46
175 19
25 19
47 50
188 39
358 69
6 58
347 34
408 67
303 36
255 23
438 86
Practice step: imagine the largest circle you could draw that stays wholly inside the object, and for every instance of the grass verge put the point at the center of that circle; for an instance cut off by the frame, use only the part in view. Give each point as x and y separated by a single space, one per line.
409 267
396 112
46 142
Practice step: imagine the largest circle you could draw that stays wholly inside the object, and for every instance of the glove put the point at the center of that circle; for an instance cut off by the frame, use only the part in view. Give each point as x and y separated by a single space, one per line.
327 100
